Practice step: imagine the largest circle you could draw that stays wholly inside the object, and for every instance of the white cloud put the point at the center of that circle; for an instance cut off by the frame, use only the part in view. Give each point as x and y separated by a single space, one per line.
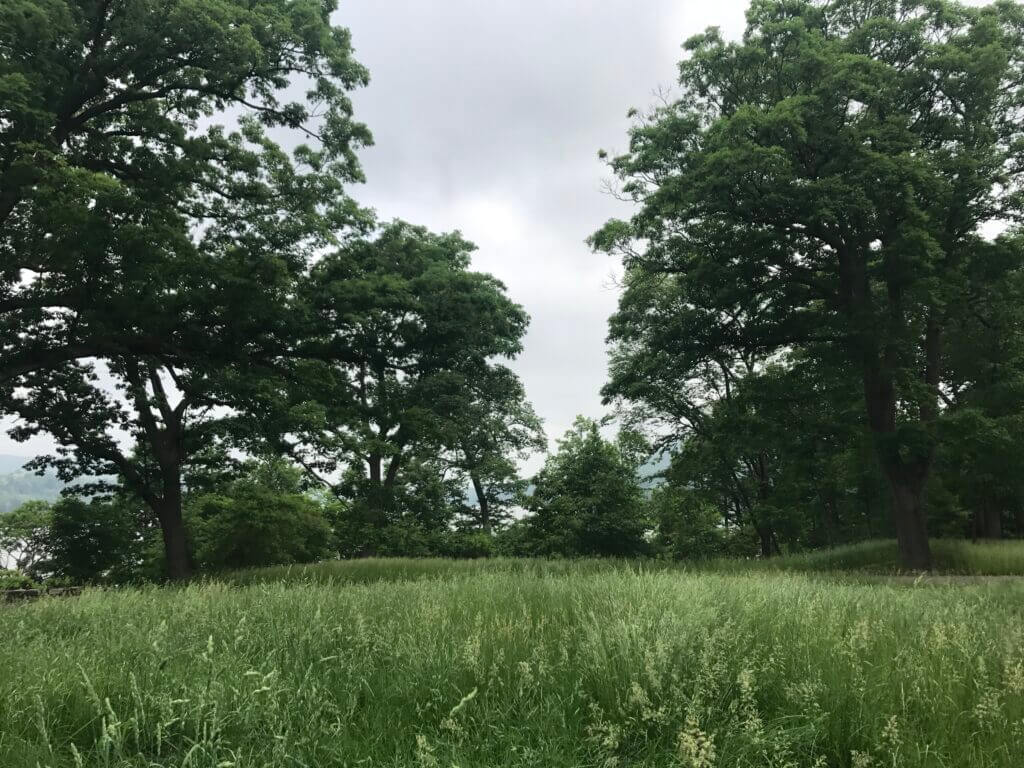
488 117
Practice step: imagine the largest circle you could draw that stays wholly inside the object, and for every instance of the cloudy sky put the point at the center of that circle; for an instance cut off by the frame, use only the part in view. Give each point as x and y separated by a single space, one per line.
487 118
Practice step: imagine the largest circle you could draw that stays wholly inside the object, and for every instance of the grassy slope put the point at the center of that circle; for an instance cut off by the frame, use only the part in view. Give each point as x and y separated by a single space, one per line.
873 557
571 664
951 556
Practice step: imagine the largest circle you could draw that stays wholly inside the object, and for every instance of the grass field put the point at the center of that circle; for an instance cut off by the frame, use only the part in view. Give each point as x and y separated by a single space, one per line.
516 664
999 558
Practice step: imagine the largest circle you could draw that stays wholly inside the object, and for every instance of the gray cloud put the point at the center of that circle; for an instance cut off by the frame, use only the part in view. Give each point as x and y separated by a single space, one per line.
487 118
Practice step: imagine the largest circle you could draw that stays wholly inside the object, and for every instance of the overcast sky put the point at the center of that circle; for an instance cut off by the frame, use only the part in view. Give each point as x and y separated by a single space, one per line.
487 118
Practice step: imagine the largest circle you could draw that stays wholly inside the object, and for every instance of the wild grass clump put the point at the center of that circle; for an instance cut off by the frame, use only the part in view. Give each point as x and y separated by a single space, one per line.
586 666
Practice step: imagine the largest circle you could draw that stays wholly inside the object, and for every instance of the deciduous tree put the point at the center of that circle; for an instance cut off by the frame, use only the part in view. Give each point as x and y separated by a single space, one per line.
826 180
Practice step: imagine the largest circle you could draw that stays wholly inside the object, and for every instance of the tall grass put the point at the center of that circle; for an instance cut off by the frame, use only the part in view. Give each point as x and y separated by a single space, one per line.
568 664
875 557
950 556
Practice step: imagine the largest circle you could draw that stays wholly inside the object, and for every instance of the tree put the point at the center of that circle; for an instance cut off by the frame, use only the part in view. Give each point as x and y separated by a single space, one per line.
418 329
495 426
94 541
977 457
587 499
415 519
823 183
135 244
149 421
24 537
106 172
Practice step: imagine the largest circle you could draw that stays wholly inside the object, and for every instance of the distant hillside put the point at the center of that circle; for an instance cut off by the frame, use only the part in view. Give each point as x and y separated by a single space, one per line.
18 486
9 463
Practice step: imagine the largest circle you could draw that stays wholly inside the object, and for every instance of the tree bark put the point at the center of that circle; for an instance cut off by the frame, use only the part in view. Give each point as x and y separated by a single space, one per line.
172 526
906 477
481 497
878 361
827 519
768 543
167 442
911 522
988 521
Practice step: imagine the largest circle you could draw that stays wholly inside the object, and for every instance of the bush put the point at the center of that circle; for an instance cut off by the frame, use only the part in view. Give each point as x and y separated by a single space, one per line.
253 525
467 544
16 580
687 528
94 541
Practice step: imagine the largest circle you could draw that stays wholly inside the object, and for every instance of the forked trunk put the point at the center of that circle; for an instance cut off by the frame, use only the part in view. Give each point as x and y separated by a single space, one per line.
481 497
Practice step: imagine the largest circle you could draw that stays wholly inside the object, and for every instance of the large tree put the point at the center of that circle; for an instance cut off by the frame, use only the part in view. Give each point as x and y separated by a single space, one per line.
412 331
825 182
113 154
149 255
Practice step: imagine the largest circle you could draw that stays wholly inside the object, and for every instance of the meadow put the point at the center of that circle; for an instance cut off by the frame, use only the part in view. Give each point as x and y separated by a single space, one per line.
517 663
866 559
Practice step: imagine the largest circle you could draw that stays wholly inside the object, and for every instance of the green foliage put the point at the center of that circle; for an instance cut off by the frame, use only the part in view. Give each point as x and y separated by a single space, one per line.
10 579
820 187
584 664
587 499
688 528
25 539
257 520
112 147
165 247
94 541
496 425
470 544
357 538
407 403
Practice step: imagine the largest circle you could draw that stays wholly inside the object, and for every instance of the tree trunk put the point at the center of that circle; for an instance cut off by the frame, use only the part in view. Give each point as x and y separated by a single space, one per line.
988 521
179 563
878 361
764 533
906 478
481 497
172 526
828 519
911 523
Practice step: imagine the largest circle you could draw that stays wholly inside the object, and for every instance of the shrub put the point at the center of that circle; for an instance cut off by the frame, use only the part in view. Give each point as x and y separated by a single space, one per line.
94 541
252 525
16 580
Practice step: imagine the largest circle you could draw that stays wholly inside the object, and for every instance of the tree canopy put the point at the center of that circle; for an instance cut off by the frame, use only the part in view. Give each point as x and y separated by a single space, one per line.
825 185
